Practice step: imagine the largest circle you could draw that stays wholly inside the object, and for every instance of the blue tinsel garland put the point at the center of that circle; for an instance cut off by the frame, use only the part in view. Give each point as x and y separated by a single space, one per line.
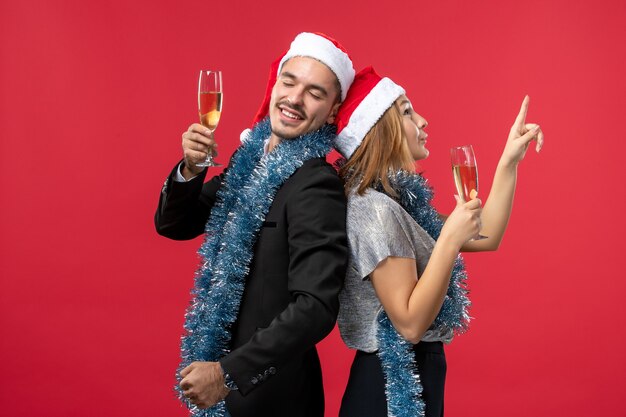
243 200
402 383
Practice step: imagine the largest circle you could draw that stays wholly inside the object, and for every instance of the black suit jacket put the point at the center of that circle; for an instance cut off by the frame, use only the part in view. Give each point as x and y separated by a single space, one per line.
291 297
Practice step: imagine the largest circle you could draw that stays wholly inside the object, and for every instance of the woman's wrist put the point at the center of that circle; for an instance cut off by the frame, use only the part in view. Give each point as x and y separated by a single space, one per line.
448 242
507 163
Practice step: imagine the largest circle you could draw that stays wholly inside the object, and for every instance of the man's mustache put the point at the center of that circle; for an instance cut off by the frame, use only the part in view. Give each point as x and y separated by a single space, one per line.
296 108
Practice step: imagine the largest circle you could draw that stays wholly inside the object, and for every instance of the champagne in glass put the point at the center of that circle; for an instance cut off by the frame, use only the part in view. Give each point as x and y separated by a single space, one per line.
466 181
465 173
209 105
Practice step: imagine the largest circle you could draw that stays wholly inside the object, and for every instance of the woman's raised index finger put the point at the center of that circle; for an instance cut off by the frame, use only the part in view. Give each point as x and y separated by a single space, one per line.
521 117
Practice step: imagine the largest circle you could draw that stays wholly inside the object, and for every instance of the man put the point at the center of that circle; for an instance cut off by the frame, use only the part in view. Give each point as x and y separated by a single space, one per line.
275 254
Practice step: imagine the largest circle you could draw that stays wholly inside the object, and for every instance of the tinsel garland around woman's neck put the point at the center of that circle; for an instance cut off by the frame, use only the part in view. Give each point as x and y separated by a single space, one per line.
414 194
403 386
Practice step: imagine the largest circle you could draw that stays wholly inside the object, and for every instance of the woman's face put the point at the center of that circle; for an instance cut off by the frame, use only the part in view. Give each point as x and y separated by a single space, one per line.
414 125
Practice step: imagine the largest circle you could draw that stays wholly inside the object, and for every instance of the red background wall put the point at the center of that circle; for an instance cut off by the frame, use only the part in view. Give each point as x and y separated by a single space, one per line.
94 97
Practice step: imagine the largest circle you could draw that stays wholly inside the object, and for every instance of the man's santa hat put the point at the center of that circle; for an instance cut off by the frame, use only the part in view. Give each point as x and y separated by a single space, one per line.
320 47
369 97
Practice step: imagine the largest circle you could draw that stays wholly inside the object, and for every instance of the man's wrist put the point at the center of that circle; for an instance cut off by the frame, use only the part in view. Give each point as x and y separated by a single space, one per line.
188 173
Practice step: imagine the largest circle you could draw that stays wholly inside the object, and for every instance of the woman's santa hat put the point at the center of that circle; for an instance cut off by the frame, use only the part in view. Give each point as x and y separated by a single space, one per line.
368 99
320 47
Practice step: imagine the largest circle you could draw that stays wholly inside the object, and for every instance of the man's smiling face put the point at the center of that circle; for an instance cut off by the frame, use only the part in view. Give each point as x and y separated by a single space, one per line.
305 96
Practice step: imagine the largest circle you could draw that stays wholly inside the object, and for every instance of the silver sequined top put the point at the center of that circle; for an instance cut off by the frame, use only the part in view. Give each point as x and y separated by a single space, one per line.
378 227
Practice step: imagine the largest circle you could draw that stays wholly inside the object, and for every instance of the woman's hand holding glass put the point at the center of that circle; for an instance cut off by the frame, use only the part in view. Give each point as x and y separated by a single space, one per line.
463 224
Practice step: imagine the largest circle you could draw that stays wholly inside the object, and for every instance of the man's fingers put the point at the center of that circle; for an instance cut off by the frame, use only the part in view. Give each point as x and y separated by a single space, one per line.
200 151
521 117
195 146
195 156
186 370
199 138
187 391
197 127
185 385
192 145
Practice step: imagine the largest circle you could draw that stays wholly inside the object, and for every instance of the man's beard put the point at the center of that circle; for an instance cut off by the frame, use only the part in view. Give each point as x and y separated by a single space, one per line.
280 135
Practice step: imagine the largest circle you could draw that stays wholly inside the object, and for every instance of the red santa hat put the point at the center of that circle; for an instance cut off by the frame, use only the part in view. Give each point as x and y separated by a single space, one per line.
327 50
368 99
314 45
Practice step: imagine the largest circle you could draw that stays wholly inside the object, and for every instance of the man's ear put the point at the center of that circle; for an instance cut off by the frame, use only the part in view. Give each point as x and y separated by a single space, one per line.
333 113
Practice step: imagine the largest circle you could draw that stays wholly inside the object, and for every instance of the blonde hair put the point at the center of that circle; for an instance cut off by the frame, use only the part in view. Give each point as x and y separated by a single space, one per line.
383 149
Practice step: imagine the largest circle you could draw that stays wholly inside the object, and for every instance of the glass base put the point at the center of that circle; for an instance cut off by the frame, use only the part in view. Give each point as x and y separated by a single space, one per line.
208 162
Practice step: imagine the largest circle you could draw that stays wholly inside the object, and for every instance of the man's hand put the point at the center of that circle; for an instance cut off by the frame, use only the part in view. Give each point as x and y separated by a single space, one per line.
203 383
197 143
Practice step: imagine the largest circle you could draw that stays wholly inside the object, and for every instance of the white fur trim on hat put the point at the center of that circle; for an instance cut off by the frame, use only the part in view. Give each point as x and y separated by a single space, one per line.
245 135
365 116
315 46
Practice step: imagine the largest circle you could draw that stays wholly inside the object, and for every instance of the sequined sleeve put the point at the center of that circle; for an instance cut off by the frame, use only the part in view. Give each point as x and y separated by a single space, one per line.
377 229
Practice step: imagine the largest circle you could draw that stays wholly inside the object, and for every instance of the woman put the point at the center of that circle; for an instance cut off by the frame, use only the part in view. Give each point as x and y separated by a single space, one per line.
404 294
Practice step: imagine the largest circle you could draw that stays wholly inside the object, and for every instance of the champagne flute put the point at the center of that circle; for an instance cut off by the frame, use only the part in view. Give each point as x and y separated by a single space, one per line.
209 106
465 173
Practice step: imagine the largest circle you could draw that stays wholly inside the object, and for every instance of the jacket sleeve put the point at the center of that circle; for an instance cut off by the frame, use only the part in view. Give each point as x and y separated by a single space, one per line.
316 216
184 207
